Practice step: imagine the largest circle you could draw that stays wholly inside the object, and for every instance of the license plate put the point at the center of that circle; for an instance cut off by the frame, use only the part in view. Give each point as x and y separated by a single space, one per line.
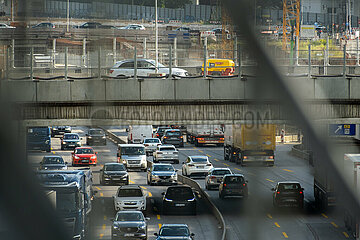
116 178
199 166
71 145
180 205
85 161
129 234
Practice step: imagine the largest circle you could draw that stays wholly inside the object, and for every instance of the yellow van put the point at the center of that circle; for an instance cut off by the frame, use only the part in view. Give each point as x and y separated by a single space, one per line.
219 67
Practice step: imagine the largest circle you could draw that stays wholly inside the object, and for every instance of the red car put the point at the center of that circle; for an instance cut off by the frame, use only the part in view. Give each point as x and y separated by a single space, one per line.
84 156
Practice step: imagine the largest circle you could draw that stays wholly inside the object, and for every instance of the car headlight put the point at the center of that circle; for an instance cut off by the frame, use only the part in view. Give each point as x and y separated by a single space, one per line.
45 168
125 176
142 202
168 200
64 167
76 157
47 141
104 137
143 159
191 200
90 137
142 226
93 157
115 227
105 175
68 128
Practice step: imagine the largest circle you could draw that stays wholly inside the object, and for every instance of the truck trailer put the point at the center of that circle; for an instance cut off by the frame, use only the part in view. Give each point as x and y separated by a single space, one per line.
245 144
205 134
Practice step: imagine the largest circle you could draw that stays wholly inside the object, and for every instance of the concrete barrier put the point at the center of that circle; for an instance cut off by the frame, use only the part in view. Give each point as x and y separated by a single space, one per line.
306 155
188 181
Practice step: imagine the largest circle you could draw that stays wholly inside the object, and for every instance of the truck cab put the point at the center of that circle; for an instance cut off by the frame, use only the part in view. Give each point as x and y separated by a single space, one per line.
39 138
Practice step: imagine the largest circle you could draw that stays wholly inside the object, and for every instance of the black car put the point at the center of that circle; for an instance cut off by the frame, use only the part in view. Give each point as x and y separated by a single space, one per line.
233 185
44 25
129 225
114 173
60 130
91 25
70 140
179 199
174 231
160 132
174 137
288 194
52 163
95 135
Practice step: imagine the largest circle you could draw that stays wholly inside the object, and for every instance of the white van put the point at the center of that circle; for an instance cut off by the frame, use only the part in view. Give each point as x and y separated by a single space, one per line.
137 133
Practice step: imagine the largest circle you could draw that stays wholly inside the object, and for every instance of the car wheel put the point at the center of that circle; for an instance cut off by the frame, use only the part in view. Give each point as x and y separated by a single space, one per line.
221 195
150 182
48 149
101 182
194 211
206 187
62 147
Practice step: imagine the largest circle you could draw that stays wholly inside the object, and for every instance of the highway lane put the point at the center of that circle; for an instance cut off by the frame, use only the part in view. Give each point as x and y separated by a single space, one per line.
241 216
203 224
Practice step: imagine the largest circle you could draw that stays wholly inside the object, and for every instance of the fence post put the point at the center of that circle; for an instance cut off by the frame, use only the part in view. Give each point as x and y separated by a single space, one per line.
13 53
344 63
175 52
84 52
66 63
309 59
170 62
205 57
7 63
135 63
53 54
297 51
357 51
235 50
114 50
99 62
239 58
144 47
31 64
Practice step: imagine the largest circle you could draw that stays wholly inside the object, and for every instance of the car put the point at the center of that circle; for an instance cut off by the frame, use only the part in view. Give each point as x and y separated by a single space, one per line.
288 194
233 185
196 166
151 145
145 67
133 27
165 153
219 31
60 130
130 197
129 225
174 137
44 25
95 135
114 173
4 25
84 156
160 132
70 140
160 173
133 156
179 199
174 231
89 25
215 176
53 162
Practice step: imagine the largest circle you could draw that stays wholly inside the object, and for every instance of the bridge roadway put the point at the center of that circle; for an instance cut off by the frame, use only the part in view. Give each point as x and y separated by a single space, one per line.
256 218
203 224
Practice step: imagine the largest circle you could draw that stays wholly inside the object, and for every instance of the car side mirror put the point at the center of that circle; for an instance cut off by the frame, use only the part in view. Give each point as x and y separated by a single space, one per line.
101 170
118 154
246 181
81 138
112 219
163 193
176 170
272 189
96 152
183 162
192 234
127 130
66 163
72 153
147 219
302 189
87 134
95 192
156 234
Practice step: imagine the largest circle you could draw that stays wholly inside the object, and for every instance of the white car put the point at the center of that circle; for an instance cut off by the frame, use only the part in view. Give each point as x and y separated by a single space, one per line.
130 197
165 153
151 145
145 67
4 25
196 166
134 27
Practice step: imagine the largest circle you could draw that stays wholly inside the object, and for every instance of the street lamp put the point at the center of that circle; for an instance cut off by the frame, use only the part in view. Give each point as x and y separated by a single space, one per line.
68 16
156 38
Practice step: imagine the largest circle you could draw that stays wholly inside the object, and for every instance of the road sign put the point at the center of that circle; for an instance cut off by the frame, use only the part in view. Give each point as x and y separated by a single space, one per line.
342 129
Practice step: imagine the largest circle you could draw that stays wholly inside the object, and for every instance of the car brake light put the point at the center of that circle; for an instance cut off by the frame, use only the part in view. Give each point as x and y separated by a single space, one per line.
301 192
158 144
146 145
278 192
224 184
200 138
191 165
157 134
234 153
244 184
209 164
245 157
212 177
221 138
271 157
181 136
111 71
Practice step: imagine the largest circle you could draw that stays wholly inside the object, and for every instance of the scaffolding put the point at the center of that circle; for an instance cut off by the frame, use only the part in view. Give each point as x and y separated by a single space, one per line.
291 21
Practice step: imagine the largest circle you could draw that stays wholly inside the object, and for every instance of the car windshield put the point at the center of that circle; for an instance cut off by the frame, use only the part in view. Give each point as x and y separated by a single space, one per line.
234 180
289 187
96 132
167 149
84 151
129 216
165 168
221 172
159 64
174 231
199 159
53 160
152 140
115 167
38 131
173 133
71 136
66 202
160 130
133 150
180 193
130 193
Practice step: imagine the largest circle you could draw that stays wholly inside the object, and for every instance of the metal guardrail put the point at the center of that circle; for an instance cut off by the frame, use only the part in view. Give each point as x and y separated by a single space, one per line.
188 181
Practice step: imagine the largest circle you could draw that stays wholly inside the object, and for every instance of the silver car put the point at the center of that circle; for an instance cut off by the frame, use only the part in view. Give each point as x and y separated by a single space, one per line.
215 176
165 153
151 145
129 225
162 173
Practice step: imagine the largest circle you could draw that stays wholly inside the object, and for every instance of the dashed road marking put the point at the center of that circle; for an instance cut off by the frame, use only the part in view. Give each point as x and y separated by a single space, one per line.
226 164
346 234
208 155
105 217
269 216
285 235
269 180
216 159
334 224
103 226
287 170
160 225
238 169
201 151
158 217
98 188
324 215
143 187
132 182
101 235
101 194
252 174
276 224
53 152
150 194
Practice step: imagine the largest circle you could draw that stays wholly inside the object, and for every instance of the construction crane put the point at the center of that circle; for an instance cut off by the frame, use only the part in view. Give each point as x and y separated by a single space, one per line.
291 21
227 41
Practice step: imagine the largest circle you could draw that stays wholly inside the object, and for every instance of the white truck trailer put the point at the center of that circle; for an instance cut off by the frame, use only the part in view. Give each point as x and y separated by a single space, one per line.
137 133
205 134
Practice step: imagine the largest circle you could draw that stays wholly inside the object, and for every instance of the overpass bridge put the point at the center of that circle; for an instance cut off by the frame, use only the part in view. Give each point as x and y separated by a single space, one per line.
183 101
